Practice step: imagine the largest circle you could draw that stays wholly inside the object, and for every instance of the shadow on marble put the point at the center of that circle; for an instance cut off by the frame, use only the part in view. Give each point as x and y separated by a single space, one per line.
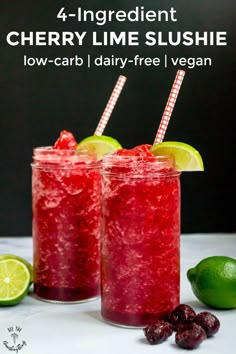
95 314
142 340
195 304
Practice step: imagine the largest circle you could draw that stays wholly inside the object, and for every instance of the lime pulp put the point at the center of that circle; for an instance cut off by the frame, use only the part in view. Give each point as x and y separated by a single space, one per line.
14 281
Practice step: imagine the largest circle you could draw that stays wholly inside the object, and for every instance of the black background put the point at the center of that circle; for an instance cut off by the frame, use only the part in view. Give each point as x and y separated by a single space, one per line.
36 103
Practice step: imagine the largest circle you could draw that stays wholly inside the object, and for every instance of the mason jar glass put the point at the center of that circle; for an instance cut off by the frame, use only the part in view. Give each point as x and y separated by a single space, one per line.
66 225
140 242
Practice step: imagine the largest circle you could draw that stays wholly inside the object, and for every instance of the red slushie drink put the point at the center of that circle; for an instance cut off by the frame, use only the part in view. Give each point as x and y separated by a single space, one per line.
140 237
66 222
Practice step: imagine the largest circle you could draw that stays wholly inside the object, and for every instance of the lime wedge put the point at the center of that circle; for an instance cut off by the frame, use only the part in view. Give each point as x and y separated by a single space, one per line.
186 157
14 281
100 145
12 256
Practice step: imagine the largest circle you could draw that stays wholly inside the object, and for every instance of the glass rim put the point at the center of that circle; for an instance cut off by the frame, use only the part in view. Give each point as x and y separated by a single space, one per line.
139 166
143 159
46 156
49 152
50 149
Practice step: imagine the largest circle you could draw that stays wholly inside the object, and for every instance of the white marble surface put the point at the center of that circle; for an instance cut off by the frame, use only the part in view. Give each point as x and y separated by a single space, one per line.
55 328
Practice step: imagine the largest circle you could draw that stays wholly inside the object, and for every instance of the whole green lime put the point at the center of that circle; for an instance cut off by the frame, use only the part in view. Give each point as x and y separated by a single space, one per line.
213 281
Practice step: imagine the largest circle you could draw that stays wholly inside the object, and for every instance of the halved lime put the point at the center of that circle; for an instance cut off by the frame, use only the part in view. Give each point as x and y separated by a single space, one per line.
186 157
101 145
12 256
14 281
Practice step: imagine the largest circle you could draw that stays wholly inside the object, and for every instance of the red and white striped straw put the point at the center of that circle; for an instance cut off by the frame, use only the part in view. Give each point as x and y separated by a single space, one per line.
169 106
110 105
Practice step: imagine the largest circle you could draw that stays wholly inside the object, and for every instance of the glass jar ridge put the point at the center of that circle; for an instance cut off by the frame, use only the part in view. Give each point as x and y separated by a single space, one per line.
46 156
138 166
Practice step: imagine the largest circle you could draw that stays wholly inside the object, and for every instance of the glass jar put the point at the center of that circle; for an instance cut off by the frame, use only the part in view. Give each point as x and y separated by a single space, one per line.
66 225
140 244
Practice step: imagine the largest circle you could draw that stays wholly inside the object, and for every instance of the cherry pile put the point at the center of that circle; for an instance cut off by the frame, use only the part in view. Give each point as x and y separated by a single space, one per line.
191 328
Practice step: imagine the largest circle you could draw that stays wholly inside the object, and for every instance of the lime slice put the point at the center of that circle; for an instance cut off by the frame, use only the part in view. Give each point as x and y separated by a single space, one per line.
100 145
14 281
12 256
186 157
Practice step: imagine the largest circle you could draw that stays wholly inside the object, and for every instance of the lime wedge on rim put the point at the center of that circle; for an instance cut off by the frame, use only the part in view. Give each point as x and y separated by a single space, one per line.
14 281
101 145
12 256
186 157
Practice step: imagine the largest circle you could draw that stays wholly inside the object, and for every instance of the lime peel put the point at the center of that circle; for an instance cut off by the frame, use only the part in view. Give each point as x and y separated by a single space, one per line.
186 157
213 281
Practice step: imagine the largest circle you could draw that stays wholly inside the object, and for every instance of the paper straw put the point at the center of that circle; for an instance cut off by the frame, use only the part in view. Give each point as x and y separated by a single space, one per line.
110 105
169 106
